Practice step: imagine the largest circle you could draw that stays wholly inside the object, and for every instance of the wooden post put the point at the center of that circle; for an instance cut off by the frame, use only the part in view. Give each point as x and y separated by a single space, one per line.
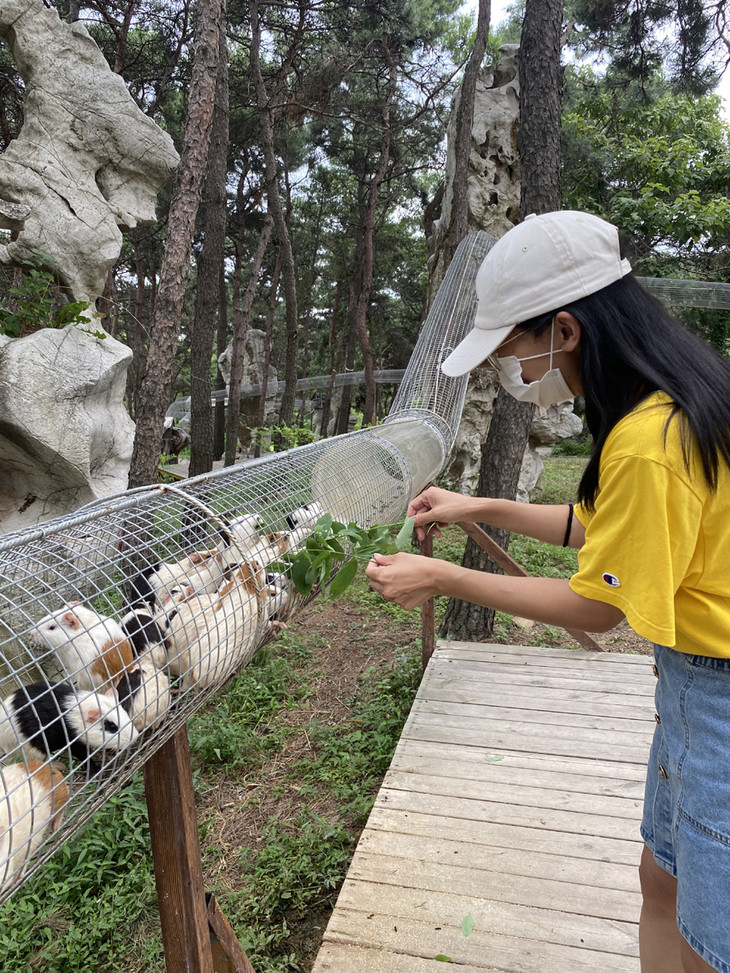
176 849
428 623
228 954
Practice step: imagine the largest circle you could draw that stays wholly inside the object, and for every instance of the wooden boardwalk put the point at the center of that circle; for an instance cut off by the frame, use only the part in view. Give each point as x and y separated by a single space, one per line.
514 798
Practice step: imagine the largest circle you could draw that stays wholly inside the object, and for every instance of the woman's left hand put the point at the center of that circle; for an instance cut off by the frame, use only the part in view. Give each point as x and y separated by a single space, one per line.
407 579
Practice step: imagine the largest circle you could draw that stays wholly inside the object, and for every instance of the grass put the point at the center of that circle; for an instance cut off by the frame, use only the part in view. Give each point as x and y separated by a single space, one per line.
93 906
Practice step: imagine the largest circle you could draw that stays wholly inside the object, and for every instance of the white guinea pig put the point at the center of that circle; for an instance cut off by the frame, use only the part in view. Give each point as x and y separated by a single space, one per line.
48 720
144 692
32 799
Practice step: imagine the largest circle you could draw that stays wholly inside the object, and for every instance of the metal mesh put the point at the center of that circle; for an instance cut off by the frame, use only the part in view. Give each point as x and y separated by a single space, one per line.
118 622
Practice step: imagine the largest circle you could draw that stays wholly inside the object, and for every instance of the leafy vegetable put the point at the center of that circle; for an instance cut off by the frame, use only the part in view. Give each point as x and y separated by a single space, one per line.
332 542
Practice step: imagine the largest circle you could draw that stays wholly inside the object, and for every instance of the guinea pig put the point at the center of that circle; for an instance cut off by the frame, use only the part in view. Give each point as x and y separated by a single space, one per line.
45 720
32 799
305 516
148 633
91 649
210 635
144 692
200 572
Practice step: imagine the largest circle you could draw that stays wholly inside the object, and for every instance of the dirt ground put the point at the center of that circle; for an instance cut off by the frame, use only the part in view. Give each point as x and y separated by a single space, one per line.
350 642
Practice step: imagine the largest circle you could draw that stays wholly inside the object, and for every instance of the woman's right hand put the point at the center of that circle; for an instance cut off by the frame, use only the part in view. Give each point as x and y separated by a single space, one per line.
438 507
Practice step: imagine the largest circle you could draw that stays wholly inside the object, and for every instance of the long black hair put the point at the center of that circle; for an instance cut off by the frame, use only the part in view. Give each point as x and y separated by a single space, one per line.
631 346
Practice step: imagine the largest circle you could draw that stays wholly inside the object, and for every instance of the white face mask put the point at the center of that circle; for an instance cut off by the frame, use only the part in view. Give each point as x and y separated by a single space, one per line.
546 391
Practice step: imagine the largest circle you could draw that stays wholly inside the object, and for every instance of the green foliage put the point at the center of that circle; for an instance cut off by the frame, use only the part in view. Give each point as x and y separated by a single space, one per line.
656 169
331 543
245 726
94 898
32 303
278 438
581 446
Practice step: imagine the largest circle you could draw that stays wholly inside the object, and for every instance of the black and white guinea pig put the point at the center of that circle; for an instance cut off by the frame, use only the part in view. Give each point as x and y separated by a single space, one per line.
304 517
52 720
32 799
148 633
144 692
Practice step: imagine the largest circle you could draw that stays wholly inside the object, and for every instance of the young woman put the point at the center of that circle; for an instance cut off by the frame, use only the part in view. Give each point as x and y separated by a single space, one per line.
560 315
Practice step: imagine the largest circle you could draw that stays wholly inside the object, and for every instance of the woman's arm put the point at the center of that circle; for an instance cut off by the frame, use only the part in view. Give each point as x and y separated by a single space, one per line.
544 522
410 579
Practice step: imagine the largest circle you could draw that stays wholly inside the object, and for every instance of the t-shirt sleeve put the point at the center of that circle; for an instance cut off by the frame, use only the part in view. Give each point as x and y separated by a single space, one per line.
639 543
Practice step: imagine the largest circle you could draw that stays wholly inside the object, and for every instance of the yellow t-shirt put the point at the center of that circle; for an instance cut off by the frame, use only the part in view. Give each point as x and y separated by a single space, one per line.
658 543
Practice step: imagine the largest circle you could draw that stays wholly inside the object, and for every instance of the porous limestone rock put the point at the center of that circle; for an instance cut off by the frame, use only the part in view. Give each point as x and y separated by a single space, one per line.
65 437
87 164
87 161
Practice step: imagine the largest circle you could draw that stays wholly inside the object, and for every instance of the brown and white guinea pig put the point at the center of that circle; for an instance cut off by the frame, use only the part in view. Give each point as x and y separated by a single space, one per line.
92 649
32 799
197 573
144 692
45 720
210 635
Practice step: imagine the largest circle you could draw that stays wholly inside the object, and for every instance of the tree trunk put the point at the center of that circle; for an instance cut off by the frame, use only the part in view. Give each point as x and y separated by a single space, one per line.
365 255
288 267
540 87
156 387
499 473
509 430
261 418
240 327
211 260
335 345
221 343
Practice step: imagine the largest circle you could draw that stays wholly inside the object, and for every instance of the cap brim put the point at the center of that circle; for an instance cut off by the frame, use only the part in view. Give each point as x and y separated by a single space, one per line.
474 349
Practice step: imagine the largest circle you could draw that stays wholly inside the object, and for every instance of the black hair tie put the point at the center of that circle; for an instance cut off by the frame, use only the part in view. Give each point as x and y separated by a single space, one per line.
570 524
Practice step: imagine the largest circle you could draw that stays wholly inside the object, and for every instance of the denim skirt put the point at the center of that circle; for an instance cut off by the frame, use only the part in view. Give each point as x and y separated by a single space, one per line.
686 822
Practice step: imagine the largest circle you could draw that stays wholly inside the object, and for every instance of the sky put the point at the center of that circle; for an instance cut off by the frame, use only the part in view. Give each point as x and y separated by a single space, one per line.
498 12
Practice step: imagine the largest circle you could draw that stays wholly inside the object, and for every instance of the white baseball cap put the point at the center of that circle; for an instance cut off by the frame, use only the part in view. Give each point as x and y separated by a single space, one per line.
537 266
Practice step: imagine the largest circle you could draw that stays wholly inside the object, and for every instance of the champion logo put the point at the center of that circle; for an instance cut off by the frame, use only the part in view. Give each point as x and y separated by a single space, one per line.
611 580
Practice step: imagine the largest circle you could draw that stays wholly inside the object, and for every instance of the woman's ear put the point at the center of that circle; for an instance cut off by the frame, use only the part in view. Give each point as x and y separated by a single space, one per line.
568 327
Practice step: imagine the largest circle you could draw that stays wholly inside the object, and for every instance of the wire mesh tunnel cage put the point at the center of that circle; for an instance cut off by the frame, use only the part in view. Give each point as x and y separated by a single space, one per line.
117 623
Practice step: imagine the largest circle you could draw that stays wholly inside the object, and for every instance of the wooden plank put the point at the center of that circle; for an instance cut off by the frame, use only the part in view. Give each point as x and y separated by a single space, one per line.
533 711
557 701
550 819
478 650
537 891
530 738
506 769
424 824
443 909
584 767
500 954
540 846
496 674
537 863
490 792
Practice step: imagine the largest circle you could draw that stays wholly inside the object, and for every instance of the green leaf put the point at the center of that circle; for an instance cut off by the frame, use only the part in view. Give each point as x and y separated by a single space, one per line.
324 523
299 570
343 579
443 959
494 758
403 538
467 925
